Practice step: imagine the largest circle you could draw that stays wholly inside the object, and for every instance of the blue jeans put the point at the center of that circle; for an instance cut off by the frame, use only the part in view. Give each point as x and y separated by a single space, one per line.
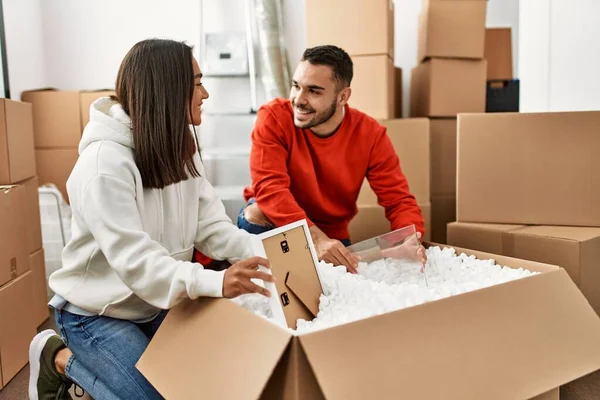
249 227
105 351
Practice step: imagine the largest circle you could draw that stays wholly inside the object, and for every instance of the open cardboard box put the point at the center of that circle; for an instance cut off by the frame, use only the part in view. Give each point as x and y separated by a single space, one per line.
517 340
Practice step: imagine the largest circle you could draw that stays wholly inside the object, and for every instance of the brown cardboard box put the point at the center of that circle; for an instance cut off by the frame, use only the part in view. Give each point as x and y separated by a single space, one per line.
530 168
17 161
369 25
504 335
452 29
576 249
443 211
59 115
55 166
14 257
86 99
17 327
40 287
444 88
373 90
56 117
410 138
483 237
498 53
34 223
371 221
443 157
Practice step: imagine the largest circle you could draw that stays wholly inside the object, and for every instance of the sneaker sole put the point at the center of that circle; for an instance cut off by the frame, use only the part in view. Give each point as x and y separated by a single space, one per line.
35 352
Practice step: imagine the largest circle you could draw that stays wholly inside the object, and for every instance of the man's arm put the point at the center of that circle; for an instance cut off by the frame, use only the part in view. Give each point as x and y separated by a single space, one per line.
391 186
269 172
271 186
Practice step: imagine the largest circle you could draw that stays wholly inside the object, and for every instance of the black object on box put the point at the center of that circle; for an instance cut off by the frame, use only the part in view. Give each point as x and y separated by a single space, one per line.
502 96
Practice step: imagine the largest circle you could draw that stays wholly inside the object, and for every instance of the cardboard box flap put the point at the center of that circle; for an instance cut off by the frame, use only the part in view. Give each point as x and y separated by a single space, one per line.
511 341
579 234
303 291
202 344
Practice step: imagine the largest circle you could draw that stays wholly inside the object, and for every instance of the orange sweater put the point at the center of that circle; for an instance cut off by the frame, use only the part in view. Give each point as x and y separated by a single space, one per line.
296 174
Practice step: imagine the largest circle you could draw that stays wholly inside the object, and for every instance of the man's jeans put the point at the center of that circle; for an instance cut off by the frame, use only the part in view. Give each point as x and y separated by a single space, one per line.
244 224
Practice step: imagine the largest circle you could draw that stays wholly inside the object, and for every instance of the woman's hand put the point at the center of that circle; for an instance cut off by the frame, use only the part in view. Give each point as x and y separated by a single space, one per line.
237 280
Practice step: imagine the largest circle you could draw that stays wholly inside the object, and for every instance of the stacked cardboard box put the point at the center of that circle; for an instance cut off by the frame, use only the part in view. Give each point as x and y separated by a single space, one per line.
410 138
450 78
502 93
59 118
376 86
529 187
22 270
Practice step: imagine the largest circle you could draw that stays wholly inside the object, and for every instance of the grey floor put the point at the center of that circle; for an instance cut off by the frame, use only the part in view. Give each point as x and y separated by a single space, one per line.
586 388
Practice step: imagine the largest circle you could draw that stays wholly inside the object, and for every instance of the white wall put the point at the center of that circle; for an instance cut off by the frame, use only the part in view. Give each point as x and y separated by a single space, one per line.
25 52
75 44
85 41
559 55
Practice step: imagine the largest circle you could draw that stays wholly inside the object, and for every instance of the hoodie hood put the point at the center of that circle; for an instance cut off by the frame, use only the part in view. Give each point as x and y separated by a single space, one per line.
108 121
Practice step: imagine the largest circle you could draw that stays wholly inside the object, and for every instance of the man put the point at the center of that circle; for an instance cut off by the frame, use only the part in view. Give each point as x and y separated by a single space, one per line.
310 155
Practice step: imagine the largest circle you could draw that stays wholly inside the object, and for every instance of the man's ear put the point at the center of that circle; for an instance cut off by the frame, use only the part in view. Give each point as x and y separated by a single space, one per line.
344 95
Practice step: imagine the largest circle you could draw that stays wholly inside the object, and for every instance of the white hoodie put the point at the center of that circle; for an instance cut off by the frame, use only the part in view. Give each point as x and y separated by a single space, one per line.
131 247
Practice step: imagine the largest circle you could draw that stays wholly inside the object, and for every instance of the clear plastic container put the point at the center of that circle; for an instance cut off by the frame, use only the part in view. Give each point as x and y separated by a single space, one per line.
402 244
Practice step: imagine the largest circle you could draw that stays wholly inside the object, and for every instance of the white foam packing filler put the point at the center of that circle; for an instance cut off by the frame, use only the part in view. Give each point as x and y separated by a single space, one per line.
388 285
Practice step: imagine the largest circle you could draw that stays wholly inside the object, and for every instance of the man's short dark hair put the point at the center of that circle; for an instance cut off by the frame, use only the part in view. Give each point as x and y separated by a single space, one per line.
334 57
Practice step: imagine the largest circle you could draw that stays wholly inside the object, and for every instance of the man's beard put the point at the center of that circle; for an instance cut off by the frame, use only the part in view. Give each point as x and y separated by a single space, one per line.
319 118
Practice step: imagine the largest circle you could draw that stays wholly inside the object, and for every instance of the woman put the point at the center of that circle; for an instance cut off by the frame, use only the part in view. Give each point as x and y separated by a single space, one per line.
140 206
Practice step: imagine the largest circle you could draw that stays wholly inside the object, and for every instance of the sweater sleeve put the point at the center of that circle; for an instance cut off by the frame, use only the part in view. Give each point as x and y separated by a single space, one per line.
269 172
143 264
216 236
391 186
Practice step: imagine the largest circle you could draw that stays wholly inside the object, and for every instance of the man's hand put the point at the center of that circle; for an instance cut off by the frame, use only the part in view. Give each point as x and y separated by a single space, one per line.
237 280
333 251
411 249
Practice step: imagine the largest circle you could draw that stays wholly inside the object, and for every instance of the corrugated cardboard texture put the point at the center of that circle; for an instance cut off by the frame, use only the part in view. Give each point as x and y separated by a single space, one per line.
443 157
443 211
17 327
293 378
34 224
39 308
498 53
371 221
444 87
516 340
371 22
56 118
538 169
410 138
14 257
426 211
490 238
576 249
86 99
17 161
373 90
55 166
296 265
504 325
452 29
202 344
